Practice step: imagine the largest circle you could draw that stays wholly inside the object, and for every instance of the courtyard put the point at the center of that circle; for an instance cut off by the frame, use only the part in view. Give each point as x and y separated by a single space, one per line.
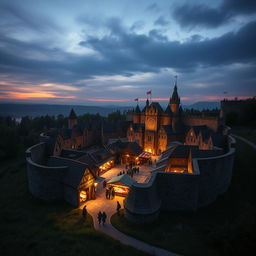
108 205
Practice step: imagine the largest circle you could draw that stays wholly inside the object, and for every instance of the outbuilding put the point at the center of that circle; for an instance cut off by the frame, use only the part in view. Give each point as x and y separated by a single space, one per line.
121 184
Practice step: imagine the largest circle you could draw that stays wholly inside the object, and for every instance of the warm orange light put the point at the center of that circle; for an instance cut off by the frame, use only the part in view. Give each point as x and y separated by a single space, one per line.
121 189
32 95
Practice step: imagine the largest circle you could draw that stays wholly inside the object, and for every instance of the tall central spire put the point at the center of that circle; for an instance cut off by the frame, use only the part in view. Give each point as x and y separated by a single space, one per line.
175 97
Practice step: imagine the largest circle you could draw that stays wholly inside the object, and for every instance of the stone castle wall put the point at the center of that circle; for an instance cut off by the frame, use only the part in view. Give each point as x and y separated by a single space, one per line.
211 122
44 181
215 176
177 191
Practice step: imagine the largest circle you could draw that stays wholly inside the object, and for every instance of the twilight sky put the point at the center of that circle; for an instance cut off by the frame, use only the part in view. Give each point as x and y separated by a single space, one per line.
111 52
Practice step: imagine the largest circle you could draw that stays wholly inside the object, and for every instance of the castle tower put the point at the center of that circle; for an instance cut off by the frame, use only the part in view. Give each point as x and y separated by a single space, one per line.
175 100
174 104
136 116
72 119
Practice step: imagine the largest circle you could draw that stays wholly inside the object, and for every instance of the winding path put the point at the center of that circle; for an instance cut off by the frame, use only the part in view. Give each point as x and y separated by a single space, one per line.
245 140
109 206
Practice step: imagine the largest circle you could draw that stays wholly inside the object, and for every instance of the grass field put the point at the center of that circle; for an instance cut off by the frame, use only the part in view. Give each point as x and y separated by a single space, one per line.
227 227
31 227
246 132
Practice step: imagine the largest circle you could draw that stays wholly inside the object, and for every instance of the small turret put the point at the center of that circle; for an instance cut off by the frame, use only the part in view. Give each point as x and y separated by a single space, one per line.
137 109
136 115
72 119
175 100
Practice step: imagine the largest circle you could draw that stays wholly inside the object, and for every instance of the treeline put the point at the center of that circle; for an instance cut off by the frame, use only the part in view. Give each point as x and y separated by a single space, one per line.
17 136
206 112
246 116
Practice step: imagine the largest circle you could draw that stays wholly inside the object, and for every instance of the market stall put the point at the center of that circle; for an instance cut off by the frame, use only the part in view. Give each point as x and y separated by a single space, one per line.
121 184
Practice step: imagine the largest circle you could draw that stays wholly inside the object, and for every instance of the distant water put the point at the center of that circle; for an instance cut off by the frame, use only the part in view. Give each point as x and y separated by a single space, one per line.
33 110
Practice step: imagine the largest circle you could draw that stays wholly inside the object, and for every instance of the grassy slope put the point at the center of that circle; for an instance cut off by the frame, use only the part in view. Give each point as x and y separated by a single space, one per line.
227 227
31 227
246 132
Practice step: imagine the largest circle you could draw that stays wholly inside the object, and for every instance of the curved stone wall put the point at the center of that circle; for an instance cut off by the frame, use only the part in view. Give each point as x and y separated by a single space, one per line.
44 181
180 191
142 202
215 176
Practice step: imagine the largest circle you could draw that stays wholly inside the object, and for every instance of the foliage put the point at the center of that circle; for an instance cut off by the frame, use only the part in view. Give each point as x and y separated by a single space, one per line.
15 136
204 112
246 116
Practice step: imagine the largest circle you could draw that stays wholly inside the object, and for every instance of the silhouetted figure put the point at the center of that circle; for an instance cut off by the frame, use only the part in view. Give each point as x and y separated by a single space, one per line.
84 212
113 193
104 184
118 207
107 193
104 217
99 217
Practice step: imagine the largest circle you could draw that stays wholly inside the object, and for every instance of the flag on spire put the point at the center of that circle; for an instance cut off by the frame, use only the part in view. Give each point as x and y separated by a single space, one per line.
137 99
149 92
176 77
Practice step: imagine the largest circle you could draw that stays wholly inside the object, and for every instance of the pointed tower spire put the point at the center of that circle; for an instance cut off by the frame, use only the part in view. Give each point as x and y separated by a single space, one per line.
175 97
72 119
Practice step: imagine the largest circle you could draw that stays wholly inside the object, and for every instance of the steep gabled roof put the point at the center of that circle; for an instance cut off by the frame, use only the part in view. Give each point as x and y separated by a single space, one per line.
87 159
75 171
132 148
137 109
168 110
122 179
72 114
175 97
157 106
199 128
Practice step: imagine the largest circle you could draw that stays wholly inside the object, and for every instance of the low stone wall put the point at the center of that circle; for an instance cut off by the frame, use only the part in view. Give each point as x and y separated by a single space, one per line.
215 176
44 181
180 191
211 122
142 203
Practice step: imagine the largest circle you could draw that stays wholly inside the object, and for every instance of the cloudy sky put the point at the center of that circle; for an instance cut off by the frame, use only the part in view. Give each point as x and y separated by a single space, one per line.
112 51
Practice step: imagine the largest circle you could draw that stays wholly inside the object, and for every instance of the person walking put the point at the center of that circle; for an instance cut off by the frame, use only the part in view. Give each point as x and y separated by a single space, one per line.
118 207
104 217
84 212
99 217
113 193
107 192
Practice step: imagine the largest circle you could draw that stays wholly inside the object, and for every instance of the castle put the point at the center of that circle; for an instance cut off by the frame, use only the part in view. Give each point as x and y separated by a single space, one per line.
194 167
154 128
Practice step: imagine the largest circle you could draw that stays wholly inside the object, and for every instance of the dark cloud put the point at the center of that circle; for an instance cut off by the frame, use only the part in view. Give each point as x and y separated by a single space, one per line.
156 34
191 15
153 7
137 25
124 52
14 18
161 21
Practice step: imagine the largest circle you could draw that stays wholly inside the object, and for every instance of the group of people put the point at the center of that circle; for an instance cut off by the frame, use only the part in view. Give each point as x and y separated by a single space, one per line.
102 216
110 193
